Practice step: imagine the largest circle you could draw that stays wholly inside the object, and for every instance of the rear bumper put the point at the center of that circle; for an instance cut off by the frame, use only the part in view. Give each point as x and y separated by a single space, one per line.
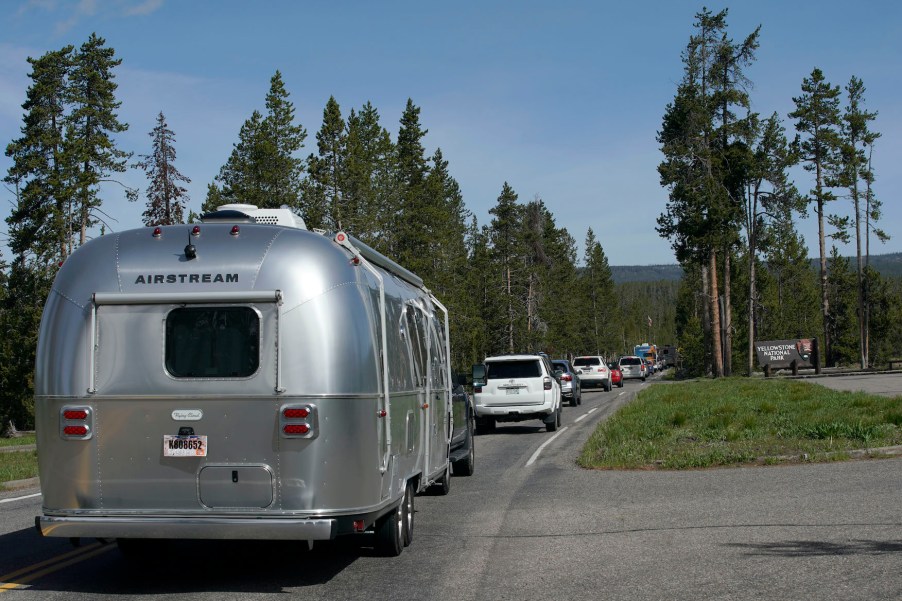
188 528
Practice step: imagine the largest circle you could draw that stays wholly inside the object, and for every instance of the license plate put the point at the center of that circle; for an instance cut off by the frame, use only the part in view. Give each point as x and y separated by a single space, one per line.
513 391
184 446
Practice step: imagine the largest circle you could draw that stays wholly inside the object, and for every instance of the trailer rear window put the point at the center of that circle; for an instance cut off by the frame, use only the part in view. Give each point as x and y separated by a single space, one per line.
212 342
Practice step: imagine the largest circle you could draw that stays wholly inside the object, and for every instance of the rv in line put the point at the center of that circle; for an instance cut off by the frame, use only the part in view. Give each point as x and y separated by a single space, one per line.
241 378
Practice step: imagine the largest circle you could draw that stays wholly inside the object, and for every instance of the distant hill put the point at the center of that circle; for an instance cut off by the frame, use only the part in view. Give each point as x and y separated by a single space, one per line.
646 273
889 265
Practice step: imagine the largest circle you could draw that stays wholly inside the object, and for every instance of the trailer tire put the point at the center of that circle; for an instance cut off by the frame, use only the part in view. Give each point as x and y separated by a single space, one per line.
409 513
390 532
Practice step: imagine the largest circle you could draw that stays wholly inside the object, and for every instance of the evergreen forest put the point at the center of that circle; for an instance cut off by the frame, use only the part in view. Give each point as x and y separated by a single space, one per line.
518 282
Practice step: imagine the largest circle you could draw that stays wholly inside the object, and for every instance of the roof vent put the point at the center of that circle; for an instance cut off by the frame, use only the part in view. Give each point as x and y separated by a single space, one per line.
245 213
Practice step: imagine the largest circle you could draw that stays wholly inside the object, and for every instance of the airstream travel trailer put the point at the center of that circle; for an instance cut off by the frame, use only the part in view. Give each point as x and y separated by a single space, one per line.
239 378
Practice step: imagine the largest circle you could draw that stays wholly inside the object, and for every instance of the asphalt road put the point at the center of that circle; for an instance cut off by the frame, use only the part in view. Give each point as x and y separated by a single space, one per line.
531 525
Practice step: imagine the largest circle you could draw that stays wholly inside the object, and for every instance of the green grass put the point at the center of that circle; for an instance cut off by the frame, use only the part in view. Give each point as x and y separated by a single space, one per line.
736 421
12 442
18 465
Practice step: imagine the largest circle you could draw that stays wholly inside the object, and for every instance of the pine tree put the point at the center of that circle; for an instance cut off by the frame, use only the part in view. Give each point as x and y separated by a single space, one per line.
166 199
602 312
856 138
89 129
326 170
410 243
769 196
262 169
40 222
506 262
817 119
369 181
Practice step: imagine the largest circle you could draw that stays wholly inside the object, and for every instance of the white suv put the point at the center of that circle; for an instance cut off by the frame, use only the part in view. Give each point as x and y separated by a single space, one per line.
514 388
594 371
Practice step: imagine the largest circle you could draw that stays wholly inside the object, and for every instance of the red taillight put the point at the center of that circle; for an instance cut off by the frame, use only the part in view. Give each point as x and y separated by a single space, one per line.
477 389
359 525
296 413
296 428
601 370
75 414
75 431
567 378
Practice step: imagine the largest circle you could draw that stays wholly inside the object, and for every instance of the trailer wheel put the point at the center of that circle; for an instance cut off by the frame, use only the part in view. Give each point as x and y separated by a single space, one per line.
409 513
390 532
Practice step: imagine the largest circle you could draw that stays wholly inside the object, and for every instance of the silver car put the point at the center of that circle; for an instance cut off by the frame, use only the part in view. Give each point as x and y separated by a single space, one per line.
633 367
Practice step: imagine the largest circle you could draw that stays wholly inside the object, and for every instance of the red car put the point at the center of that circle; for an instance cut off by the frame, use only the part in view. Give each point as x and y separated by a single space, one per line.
616 375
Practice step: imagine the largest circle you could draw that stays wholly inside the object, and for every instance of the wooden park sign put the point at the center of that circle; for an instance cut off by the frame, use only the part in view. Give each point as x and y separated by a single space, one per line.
792 354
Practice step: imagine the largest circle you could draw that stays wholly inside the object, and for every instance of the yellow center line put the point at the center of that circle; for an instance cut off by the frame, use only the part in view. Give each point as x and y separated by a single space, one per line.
12 581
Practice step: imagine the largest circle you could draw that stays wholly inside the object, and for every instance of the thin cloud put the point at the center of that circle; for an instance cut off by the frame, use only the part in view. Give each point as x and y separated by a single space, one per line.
143 9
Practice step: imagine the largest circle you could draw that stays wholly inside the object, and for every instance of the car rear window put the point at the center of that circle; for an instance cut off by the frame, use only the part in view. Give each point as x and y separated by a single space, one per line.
512 369
631 361
586 361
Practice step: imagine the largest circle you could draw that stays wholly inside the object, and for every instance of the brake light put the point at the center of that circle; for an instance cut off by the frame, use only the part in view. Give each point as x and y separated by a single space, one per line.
299 421
295 413
477 389
296 429
76 423
566 377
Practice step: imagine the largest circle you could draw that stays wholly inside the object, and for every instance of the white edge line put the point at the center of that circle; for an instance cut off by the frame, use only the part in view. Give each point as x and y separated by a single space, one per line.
622 393
37 494
581 417
544 444
592 410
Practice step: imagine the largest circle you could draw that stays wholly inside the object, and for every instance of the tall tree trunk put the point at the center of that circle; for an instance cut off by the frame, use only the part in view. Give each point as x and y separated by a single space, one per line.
727 317
715 316
510 314
706 318
752 285
825 302
859 272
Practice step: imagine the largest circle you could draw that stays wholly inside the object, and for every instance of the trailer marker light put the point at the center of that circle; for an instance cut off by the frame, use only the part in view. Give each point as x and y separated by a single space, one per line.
235 230
293 413
75 430
195 231
296 428
381 413
75 414
355 261
157 232
359 526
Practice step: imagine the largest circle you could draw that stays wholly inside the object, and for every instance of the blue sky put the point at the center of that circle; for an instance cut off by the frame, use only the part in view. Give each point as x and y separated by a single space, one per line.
560 99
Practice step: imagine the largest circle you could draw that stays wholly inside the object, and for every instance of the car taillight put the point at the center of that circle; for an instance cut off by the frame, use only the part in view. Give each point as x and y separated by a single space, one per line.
547 383
567 378
477 389
76 423
299 421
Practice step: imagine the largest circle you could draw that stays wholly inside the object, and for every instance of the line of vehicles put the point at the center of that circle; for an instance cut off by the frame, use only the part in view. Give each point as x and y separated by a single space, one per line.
248 378
514 388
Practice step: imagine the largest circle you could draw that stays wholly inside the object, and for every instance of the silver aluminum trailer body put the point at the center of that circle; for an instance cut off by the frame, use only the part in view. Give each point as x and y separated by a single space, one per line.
321 402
